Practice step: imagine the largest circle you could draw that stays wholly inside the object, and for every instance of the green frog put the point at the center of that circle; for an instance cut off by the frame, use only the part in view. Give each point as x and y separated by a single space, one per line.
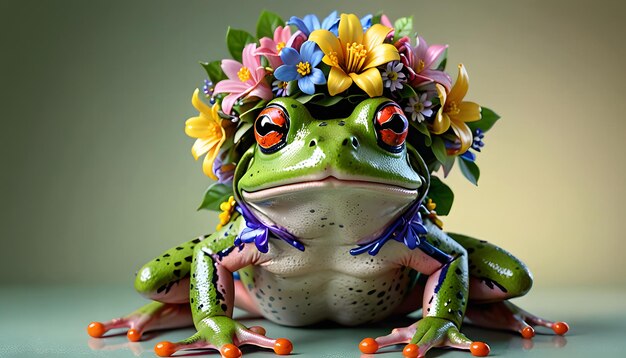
327 224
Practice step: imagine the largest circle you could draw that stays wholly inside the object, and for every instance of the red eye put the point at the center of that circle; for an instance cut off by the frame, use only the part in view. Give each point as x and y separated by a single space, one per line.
391 127
271 128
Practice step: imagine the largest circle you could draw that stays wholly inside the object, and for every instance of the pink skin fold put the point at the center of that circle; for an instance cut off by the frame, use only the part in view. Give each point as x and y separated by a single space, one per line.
268 46
255 86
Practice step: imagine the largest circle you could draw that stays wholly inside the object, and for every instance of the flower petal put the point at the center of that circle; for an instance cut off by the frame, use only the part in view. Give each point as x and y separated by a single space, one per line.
286 73
317 76
433 53
468 112
230 68
380 55
312 22
289 56
197 103
248 58
459 90
261 90
230 86
306 51
297 22
350 29
375 36
229 101
306 85
464 134
267 48
369 81
203 145
338 81
329 44
198 127
441 123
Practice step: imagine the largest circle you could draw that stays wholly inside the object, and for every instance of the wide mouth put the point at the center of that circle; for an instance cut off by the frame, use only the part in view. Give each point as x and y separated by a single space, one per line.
329 182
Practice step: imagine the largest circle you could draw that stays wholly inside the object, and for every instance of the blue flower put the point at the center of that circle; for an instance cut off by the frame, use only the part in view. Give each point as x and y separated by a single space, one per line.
301 67
478 143
311 23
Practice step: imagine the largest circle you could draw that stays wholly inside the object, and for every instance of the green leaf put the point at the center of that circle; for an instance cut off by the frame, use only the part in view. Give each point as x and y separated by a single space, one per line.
403 27
441 194
407 91
242 130
236 40
215 195
328 101
487 120
377 17
439 149
214 71
470 170
308 97
268 22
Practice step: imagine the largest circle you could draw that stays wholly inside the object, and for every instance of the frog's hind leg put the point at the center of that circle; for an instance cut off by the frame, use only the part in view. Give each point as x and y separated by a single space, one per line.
495 277
153 316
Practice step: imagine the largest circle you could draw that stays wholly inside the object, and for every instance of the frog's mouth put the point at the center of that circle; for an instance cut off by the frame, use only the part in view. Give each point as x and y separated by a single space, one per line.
348 210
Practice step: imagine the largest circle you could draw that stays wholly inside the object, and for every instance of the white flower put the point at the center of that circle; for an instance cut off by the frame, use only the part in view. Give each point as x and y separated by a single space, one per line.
419 107
392 77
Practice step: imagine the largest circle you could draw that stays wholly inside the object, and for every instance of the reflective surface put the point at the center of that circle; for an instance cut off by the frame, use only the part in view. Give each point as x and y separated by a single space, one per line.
51 320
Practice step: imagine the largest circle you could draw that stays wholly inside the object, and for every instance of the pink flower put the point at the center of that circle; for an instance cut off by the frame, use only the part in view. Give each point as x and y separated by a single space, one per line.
424 58
244 80
271 48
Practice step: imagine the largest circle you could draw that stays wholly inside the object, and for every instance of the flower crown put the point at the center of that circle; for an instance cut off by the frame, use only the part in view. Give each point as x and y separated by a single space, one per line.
341 60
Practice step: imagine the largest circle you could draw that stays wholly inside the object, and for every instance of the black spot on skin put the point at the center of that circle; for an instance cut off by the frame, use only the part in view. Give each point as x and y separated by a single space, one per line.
178 248
177 273
311 211
353 303
192 300
323 124
161 289
224 307
470 250
380 294
341 226
379 303
342 123
371 292
431 299
198 240
157 260
272 298
459 295
359 291
458 271
294 106
166 255
177 263
323 218
188 258
191 286
428 310
459 312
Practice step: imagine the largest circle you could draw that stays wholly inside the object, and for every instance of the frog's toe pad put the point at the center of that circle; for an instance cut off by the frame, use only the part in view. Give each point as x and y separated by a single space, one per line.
368 346
96 329
528 332
230 351
165 349
411 351
283 346
134 335
560 328
479 349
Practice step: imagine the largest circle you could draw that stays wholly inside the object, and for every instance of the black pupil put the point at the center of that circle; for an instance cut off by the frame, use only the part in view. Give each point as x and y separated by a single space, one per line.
264 126
397 123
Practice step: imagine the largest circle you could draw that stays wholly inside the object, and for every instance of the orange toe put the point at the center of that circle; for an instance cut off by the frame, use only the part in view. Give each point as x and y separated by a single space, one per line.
165 349
528 332
411 350
368 346
479 349
283 346
95 329
133 335
560 328
230 351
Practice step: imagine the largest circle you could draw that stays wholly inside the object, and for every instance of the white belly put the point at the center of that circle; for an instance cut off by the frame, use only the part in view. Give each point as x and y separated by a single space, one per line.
327 283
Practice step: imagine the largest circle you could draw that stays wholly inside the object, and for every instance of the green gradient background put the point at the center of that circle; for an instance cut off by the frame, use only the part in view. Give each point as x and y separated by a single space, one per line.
96 175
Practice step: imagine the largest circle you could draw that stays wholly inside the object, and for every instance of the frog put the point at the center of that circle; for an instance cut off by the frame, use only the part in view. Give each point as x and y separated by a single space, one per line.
327 223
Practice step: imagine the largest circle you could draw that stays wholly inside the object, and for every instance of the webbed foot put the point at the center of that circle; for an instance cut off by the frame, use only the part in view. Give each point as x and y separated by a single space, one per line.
507 316
225 335
427 333
154 315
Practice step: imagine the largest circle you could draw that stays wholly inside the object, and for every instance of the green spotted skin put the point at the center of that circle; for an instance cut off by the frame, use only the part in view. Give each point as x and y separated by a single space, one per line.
207 290
450 295
495 267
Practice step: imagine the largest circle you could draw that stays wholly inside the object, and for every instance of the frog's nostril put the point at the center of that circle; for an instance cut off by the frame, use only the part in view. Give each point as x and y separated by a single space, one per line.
312 143
345 142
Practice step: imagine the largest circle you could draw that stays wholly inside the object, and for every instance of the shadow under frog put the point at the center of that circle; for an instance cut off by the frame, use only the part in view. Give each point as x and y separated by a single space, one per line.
329 228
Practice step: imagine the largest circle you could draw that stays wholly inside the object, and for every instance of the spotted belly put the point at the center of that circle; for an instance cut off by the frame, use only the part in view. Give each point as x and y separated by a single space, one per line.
329 296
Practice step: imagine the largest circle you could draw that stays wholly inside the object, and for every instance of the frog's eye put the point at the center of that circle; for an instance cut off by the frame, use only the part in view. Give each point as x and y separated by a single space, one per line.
391 127
271 128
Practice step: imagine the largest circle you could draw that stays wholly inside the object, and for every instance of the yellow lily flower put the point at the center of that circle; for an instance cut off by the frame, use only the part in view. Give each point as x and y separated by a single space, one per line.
455 112
353 56
210 134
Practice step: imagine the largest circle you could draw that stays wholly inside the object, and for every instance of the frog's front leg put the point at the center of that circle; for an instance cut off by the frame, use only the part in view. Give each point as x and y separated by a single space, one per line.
212 301
444 302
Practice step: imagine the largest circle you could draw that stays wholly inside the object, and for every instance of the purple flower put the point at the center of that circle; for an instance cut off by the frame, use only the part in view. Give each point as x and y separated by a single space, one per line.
478 143
279 88
301 67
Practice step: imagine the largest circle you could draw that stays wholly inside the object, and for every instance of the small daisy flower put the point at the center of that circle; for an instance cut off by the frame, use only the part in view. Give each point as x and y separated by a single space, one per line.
279 88
392 77
419 107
